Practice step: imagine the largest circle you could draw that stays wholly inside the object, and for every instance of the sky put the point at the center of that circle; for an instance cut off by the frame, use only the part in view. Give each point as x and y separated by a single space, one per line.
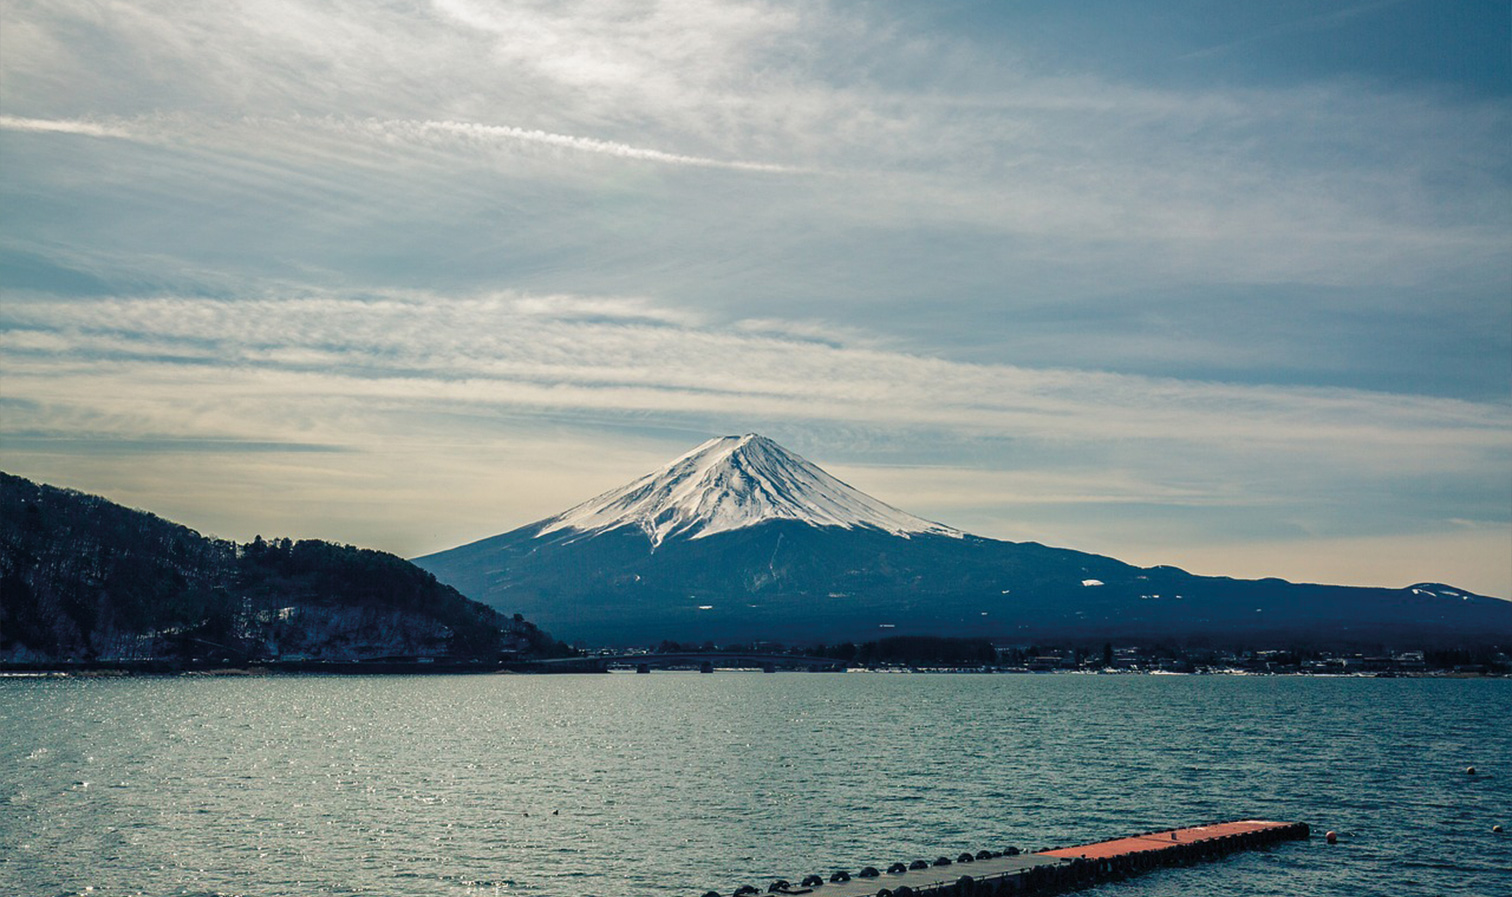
1214 284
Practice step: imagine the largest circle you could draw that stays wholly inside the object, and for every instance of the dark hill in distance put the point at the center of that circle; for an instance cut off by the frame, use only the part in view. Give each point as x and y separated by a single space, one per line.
85 579
741 540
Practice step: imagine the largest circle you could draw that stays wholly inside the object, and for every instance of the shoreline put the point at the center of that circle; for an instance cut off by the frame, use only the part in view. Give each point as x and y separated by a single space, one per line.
380 668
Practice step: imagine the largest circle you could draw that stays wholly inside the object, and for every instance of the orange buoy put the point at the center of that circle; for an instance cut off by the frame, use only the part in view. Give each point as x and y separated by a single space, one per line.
1331 837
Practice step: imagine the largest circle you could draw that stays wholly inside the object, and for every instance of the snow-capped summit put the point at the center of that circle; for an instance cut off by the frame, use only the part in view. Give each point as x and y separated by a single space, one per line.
729 483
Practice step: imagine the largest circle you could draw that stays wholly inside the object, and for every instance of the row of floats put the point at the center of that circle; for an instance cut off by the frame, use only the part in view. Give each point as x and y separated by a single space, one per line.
782 885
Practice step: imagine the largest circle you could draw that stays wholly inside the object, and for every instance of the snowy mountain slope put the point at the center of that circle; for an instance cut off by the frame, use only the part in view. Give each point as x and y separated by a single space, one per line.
729 483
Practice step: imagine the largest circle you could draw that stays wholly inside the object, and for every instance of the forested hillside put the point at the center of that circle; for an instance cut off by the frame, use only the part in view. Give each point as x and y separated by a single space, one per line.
85 579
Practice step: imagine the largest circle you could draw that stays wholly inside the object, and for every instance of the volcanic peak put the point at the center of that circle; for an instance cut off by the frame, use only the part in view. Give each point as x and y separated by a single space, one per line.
729 483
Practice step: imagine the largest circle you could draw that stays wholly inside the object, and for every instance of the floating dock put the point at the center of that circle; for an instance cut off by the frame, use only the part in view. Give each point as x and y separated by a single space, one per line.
989 873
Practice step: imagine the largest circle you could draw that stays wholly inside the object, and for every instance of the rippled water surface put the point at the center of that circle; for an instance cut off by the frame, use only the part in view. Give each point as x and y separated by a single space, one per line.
676 783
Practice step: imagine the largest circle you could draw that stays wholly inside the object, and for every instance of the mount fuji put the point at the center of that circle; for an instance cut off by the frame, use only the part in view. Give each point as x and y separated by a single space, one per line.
741 539
731 483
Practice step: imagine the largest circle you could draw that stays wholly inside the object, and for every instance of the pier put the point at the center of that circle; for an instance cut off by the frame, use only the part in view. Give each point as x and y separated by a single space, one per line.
989 873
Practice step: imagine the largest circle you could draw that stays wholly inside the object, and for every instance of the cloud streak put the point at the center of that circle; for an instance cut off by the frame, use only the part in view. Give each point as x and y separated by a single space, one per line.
471 133
455 134
50 126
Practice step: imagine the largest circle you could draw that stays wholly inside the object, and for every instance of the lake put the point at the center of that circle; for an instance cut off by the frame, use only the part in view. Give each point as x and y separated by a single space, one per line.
677 783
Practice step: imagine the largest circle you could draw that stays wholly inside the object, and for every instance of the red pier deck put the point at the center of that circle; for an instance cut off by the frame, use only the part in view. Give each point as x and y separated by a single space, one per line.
1218 833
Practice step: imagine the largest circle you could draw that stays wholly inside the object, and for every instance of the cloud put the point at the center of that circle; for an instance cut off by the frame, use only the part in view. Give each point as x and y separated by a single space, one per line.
471 135
768 149
459 135
48 126
468 132
604 354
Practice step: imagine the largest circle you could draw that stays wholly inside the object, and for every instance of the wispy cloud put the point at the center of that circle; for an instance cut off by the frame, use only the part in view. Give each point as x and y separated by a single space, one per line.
181 130
81 127
602 355
401 108
472 133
